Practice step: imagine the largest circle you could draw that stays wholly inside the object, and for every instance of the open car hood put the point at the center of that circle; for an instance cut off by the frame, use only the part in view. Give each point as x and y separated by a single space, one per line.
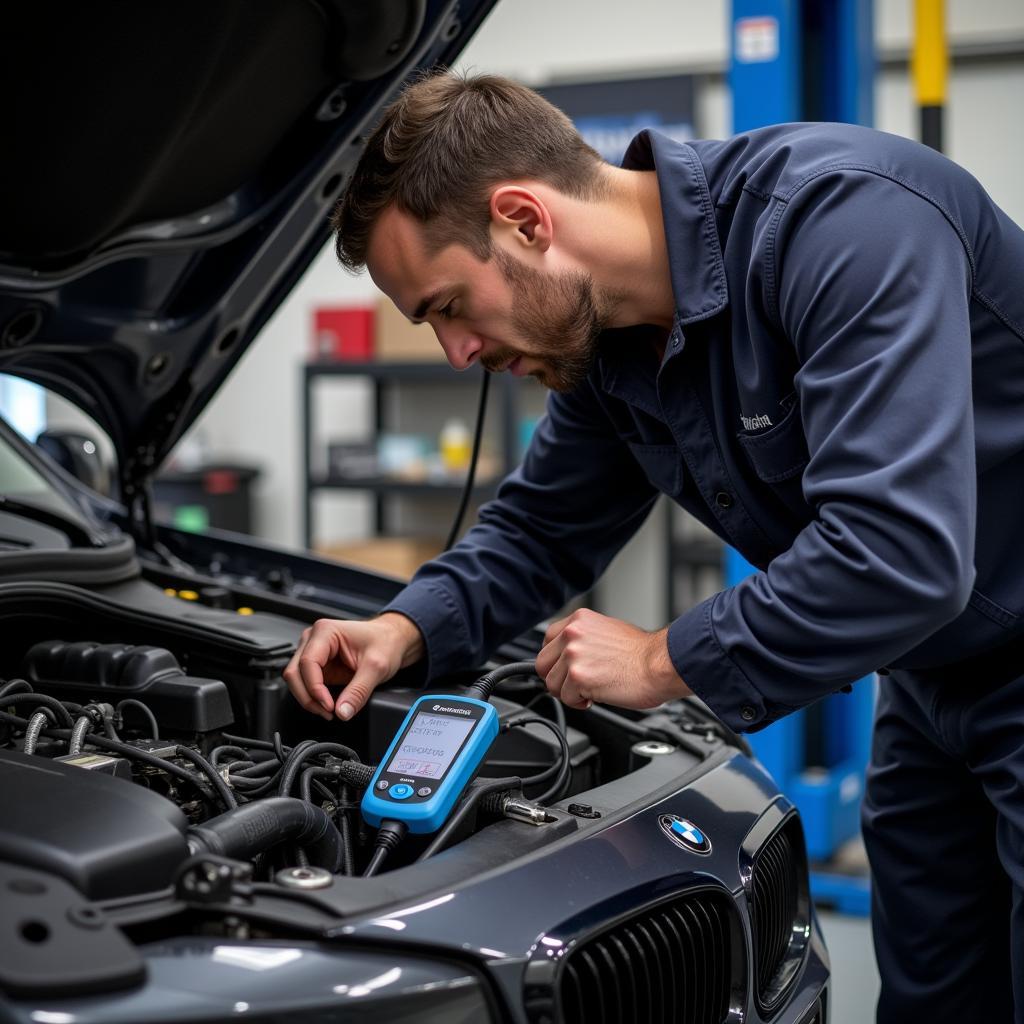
169 174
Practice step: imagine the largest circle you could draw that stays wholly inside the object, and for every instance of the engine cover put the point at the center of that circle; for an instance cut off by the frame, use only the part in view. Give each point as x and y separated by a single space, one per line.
107 837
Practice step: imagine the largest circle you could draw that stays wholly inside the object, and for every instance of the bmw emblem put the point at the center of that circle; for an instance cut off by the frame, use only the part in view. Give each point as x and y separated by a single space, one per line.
684 833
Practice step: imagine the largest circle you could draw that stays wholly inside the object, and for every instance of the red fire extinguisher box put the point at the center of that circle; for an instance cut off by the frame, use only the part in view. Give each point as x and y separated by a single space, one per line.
343 332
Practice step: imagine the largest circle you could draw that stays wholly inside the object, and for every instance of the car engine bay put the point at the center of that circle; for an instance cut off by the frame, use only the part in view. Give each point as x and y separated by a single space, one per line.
177 732
171 815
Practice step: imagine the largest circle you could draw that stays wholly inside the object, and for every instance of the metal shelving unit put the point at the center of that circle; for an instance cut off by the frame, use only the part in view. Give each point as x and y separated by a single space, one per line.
383 375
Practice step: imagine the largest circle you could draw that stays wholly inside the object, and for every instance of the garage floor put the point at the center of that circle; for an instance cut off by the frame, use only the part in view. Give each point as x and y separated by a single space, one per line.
854 975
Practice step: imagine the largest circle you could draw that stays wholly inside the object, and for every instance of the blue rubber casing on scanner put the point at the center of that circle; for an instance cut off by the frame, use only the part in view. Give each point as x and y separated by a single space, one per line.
427 815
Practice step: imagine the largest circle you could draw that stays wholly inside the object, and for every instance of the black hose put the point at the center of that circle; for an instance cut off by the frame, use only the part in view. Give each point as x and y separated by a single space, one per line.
246 831
131 702
46 701
303 752
479 790
467 487
216 780
248 741
484 686
228 748
294 757
124 749
260 770
15 686
307 777
256 789
348 865
282 754
245 786
250 787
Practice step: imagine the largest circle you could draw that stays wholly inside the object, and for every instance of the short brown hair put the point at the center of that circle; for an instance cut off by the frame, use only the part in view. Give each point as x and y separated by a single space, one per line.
440 148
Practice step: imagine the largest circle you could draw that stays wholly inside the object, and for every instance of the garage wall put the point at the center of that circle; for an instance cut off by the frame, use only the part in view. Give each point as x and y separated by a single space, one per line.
539 41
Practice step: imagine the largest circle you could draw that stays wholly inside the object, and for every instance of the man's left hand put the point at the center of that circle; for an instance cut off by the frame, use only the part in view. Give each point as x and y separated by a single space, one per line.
588 657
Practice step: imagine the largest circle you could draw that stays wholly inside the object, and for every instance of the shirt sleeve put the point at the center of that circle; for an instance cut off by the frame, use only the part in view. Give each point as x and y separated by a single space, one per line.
873 292
553 527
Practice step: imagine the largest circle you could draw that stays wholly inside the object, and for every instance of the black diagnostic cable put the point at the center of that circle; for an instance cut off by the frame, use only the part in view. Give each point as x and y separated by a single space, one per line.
484 686
564 776
358 775
480 789
389 835
391 832
467 488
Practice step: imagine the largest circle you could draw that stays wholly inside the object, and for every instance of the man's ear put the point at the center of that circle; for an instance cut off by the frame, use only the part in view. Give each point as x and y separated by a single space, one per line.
521 214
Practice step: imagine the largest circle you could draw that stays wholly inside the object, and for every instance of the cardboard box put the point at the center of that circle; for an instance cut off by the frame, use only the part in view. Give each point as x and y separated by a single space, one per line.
343 332
395 556
396 340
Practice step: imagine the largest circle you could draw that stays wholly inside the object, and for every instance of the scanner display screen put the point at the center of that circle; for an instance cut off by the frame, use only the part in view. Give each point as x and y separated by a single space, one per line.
430 744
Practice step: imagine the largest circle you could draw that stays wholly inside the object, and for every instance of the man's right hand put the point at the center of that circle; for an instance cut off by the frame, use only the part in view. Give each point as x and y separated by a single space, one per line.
357 655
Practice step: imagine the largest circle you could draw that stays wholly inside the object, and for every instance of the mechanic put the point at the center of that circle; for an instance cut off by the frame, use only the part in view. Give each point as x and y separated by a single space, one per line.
811 337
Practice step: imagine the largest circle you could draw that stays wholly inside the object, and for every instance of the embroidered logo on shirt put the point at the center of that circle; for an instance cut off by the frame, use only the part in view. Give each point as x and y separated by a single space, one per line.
756 422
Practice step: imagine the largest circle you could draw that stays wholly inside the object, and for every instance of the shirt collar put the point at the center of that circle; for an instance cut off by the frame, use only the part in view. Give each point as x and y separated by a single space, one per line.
695 253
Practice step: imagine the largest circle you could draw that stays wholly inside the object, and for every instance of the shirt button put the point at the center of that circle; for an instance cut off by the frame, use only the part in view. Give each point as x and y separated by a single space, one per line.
723 499
747 713
675 343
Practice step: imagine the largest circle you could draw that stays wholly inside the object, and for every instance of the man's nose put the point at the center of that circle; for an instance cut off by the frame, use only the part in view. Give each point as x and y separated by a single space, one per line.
462 347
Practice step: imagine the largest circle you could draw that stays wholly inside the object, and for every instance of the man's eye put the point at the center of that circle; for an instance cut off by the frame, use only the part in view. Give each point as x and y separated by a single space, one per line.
447 312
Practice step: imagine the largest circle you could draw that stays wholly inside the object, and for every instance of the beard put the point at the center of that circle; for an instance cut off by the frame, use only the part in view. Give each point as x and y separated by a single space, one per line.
557 317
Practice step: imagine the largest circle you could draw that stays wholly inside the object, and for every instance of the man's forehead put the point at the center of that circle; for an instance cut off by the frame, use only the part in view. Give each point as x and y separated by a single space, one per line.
404 268
396 258
395 244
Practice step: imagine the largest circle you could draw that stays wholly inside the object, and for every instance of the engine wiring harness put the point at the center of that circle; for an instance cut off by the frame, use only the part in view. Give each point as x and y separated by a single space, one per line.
263 801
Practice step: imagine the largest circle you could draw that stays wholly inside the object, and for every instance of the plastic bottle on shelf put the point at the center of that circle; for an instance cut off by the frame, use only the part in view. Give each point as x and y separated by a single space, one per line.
456 445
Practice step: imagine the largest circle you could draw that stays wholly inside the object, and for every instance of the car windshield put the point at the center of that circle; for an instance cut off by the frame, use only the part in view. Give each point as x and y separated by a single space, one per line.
19 480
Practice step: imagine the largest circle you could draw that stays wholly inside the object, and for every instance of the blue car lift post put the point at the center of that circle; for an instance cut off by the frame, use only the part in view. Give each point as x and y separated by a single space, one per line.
811 60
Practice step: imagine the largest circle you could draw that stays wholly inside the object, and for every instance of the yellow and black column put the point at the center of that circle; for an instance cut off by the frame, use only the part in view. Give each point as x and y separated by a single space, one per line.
930 65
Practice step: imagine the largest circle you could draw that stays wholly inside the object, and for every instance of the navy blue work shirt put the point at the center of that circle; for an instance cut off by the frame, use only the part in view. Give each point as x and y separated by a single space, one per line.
841 398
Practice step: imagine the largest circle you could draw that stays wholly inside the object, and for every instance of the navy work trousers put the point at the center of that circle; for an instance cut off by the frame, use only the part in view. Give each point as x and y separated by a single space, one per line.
943 822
